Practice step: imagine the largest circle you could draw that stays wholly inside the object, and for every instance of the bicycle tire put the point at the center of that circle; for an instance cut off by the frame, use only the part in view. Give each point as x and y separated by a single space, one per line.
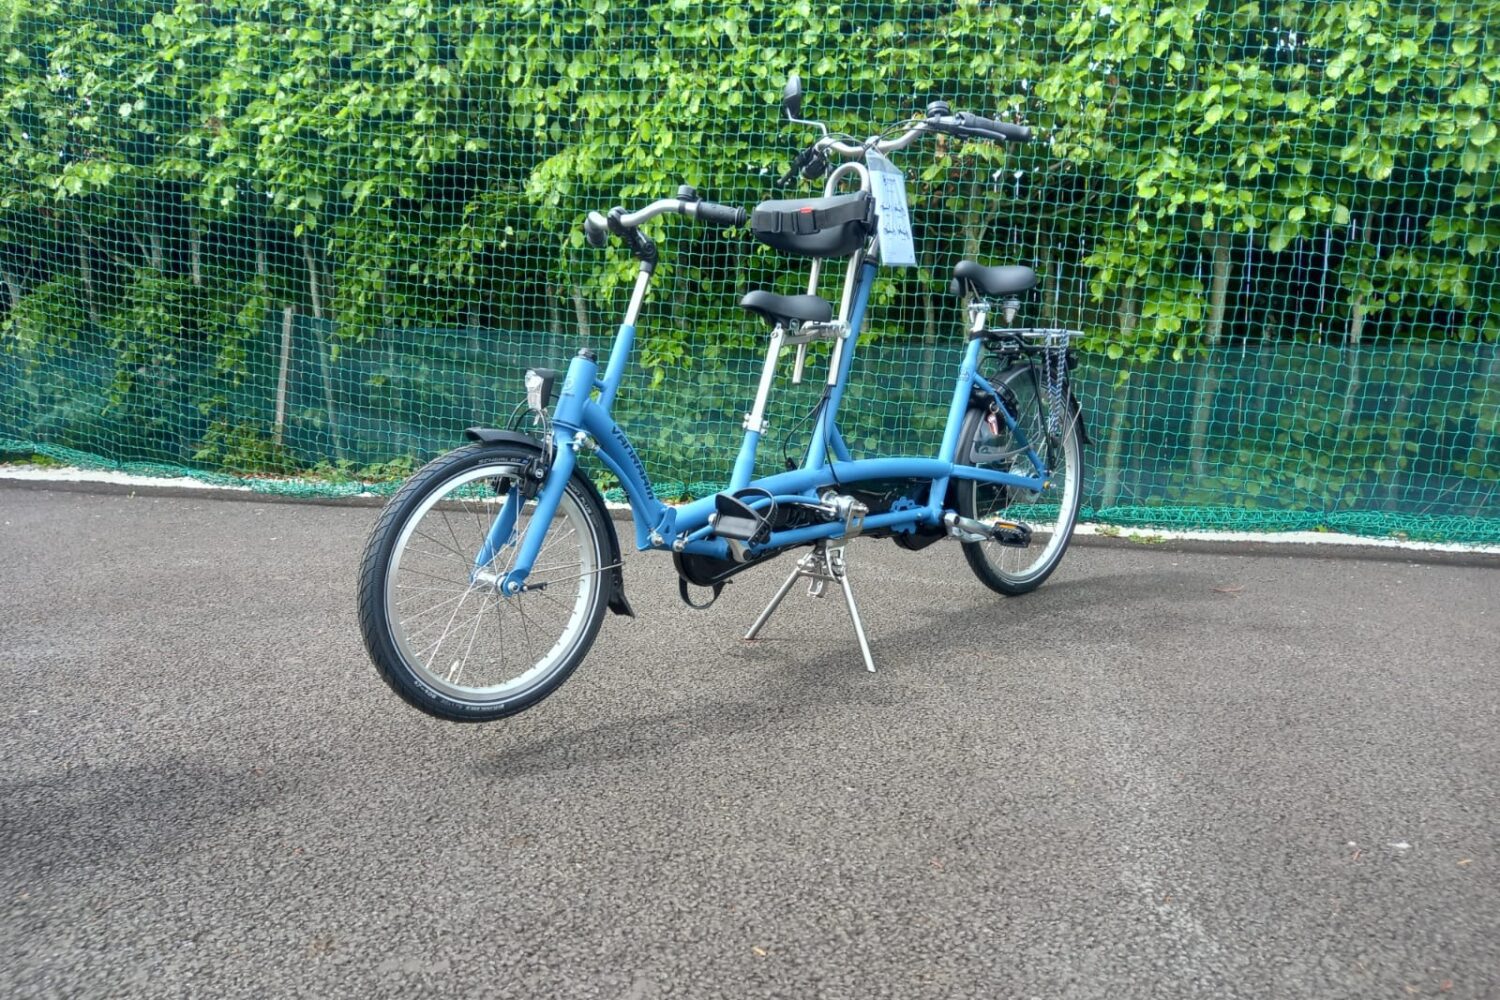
403 562
986 440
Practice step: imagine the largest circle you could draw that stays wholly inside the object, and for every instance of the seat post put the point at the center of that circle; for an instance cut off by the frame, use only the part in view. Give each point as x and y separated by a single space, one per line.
812 289
755 421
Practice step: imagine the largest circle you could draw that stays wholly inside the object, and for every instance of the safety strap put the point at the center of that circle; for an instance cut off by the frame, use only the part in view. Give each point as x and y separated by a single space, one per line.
809 218
682 589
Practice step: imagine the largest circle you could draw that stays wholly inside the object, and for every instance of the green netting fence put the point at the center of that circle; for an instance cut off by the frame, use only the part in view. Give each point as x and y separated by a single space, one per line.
301 245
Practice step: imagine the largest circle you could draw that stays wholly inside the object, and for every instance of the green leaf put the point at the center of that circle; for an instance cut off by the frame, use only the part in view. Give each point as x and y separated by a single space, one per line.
1281 236
1474 93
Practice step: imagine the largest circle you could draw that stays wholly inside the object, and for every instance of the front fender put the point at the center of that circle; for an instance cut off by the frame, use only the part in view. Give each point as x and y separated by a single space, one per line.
617 602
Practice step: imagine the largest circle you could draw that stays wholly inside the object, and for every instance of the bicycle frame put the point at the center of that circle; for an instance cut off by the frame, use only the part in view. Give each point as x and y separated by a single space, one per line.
581 421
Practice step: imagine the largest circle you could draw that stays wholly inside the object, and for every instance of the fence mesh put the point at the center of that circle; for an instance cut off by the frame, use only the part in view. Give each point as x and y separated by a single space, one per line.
303 244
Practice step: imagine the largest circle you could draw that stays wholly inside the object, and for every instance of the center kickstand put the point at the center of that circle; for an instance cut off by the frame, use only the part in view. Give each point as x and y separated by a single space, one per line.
822 565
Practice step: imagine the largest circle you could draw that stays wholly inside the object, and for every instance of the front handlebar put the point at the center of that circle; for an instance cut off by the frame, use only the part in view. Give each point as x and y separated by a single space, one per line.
963 124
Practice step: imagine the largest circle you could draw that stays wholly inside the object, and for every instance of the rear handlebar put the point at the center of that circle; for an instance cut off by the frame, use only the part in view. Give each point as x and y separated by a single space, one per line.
626 225
977 127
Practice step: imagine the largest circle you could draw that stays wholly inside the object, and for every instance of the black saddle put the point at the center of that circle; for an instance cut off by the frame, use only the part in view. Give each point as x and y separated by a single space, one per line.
1010 279
784 309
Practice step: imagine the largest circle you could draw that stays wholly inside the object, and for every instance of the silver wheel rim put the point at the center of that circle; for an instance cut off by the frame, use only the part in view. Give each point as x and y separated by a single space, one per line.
455 632
1049 514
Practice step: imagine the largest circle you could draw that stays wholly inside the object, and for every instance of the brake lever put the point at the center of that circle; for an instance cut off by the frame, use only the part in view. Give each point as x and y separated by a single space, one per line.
816 165
799 166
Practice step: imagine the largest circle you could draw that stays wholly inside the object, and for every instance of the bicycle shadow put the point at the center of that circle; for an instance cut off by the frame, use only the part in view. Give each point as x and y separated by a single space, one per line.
810 683
1118 603
1118 589
830 678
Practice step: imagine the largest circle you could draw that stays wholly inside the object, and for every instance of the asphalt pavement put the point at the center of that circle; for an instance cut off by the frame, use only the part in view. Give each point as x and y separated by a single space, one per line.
1166 774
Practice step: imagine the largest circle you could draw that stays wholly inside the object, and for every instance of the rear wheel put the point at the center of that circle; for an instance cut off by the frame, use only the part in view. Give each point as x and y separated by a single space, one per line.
987 441
436 625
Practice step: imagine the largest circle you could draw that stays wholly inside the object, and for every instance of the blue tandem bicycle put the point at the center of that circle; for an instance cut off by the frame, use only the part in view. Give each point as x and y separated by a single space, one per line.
487 576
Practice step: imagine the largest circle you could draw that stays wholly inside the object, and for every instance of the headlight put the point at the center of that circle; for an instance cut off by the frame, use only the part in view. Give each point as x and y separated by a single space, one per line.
539 388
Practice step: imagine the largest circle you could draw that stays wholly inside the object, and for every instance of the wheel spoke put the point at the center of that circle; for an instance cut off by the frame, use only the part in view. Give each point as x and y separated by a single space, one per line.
437 556
458 667
525 626
444 545
458 547
433 576
408 588
435 607
447 629
565 608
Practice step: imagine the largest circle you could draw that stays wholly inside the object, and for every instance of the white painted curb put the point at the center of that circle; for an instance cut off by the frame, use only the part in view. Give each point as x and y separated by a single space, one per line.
71 475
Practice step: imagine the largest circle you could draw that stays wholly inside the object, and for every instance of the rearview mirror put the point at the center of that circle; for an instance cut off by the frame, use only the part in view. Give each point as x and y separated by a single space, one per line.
791 97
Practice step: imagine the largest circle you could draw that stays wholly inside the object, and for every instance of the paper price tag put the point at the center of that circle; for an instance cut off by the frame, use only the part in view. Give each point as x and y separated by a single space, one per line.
893 222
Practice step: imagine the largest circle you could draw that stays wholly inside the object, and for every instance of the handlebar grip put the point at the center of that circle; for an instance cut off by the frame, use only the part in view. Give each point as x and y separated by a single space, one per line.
596 229
725 216
991 129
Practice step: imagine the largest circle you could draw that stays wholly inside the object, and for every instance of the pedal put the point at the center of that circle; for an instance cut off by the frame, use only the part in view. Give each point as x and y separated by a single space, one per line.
1012 534
966 529
735 521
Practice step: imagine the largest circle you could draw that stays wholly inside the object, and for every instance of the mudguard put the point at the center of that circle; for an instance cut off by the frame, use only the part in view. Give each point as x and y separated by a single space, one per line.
617 602
1083 425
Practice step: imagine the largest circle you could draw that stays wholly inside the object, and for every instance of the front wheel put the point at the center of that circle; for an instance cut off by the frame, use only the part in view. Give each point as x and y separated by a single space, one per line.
435 622
987 441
